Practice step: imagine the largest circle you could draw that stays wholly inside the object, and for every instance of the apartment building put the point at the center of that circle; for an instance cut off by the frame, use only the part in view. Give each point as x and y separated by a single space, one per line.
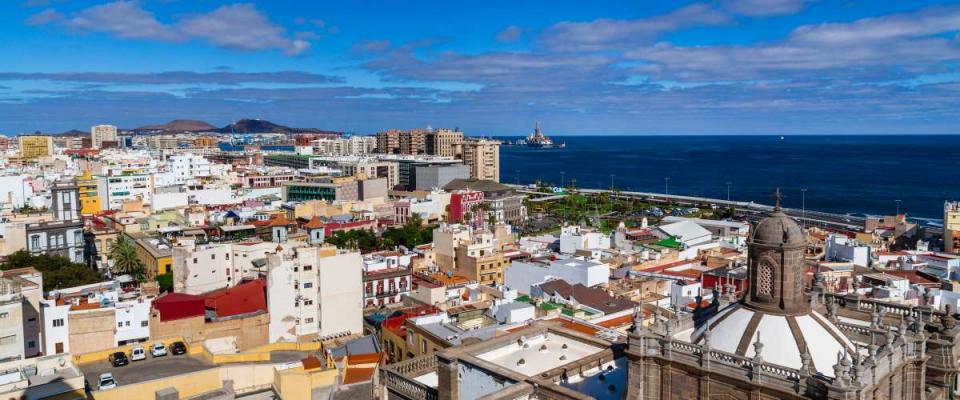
314 292
202 268
95 317
102 133
33 146
387 277
482 156
21 291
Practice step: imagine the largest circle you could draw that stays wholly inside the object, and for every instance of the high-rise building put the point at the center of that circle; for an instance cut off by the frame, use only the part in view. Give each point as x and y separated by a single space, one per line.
413 141
482 156
441 141
388 142
102 133
951 227
33 146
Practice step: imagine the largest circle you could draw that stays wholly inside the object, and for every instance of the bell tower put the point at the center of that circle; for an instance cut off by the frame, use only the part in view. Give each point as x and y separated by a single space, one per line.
775 265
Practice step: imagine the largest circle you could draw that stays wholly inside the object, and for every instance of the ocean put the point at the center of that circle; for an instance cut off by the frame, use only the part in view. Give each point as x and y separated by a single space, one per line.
841 174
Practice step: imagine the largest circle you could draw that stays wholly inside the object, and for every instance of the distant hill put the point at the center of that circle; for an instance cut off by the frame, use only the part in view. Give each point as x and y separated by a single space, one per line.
73 132
264 126
179 125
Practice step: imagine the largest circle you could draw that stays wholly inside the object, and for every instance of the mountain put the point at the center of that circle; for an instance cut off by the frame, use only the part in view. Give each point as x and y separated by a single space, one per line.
264 126
73 132
179 125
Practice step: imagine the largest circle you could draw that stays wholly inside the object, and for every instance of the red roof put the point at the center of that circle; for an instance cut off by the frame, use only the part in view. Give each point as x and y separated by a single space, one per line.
314 223
245 298
281 220
173 306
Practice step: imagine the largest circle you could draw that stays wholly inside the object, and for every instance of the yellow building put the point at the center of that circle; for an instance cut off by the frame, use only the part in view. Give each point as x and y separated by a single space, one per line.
951 227
157 256
33 146
89 195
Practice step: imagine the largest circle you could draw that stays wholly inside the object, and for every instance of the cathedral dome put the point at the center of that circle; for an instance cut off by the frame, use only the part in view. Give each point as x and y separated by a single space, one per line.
776 229
737 329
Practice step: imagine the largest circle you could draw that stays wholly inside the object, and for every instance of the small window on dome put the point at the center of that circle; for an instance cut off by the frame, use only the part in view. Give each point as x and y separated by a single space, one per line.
765 279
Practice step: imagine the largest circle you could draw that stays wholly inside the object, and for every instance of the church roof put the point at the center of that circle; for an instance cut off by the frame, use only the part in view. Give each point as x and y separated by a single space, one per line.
736 329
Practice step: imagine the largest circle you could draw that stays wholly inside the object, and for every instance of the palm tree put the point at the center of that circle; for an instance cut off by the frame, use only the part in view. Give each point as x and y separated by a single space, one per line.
124 256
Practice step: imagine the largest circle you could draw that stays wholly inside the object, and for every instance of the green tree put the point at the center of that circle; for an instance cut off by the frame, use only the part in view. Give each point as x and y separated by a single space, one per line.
124 256
58 271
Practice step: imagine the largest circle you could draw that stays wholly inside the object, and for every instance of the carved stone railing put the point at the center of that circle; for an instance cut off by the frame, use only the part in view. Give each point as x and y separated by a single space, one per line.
401 377
657 346
406 386
415 367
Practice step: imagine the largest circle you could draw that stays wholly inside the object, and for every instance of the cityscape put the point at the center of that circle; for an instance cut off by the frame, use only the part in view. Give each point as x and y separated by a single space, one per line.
489 232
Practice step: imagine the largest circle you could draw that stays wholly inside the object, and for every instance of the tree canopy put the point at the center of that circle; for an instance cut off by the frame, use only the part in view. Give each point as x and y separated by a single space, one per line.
411 234
58 272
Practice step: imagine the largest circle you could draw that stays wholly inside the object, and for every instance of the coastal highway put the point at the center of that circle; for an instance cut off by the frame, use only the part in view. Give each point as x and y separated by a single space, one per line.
749 210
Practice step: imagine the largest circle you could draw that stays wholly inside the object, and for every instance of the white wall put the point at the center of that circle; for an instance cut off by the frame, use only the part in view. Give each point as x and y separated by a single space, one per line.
341 293
52 335
133 320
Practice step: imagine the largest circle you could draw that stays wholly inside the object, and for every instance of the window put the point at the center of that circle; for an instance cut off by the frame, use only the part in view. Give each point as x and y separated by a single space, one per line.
119 324
127 323
31 344
58 322
143 324
765 279
4 315
423 346
34 242
194 260
307 285
307 267
308 302
309 320
226 255
213 256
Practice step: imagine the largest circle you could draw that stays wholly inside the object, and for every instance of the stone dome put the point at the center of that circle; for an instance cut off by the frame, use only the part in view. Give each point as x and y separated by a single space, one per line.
776 229
736 329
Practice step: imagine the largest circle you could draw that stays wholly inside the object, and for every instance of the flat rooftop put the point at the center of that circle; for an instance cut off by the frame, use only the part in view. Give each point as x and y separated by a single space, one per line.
532 355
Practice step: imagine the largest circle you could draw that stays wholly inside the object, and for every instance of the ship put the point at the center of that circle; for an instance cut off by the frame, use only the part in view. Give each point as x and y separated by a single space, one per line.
538 140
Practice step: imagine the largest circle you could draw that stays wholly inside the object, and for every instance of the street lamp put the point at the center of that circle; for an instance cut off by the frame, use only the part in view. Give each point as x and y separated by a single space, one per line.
803 205
611 181
728 191
898 206
562 176
666 185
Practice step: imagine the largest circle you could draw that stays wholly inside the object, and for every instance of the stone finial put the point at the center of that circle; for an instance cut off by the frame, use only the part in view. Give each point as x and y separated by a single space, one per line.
876 318
947 319
758 349
902 330
706 338
832 311
638 320
912 322
806 361
889 336
839 370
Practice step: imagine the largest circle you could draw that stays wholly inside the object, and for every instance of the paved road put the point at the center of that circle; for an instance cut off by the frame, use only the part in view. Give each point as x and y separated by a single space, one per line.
145 370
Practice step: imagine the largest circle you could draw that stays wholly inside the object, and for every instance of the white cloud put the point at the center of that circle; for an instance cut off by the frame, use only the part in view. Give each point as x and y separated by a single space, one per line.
236 26
44 17
509 34
761 8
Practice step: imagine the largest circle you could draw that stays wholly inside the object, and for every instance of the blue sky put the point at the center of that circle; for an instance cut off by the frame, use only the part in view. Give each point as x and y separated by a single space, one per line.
490 68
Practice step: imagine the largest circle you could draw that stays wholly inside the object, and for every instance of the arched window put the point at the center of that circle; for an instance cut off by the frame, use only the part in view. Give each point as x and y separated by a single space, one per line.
765 279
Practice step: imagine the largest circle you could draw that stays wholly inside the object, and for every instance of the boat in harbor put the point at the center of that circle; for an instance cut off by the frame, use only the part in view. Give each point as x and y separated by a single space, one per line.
538 140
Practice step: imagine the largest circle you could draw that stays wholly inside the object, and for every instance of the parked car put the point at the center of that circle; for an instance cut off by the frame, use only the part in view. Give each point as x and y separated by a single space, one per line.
118 359
158 350
137 354
107 381
178 348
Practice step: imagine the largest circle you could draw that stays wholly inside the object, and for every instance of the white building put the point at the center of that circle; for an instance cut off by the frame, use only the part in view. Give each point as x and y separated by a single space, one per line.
118 189
843 249
314 291
387 277
199 269
521 275
574 238
688 233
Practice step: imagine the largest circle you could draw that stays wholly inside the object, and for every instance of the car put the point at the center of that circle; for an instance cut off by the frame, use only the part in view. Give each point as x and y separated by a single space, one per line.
178 348
106 381
137 354
118 359
158 350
